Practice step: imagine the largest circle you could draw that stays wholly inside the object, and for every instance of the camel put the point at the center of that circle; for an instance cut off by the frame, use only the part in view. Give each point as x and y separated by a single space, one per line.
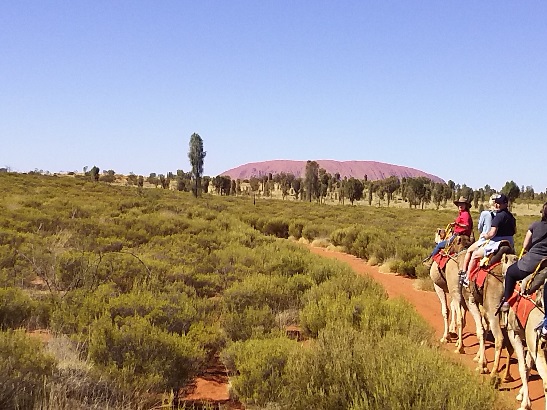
447 281
491 296
528 335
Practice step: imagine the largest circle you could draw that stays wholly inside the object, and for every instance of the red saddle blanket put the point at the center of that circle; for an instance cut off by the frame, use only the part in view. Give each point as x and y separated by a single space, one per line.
480 273
441 258
522 305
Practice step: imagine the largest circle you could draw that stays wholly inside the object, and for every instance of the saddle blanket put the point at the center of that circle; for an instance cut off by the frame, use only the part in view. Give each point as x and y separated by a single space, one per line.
522 306
480 273
441 259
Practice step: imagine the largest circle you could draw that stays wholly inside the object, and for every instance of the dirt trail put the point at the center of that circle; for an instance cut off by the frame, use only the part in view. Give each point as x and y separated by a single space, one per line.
427 304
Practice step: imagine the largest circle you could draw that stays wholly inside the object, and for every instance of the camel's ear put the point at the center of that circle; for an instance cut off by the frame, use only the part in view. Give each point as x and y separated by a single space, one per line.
504 258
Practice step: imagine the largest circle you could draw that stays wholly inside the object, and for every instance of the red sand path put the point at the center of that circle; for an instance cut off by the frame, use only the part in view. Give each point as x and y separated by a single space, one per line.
427 304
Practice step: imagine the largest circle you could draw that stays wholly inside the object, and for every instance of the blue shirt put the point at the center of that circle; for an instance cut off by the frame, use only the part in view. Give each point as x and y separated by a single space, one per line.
485 220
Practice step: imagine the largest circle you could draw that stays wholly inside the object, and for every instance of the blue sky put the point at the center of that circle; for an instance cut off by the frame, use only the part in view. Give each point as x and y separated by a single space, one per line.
454 88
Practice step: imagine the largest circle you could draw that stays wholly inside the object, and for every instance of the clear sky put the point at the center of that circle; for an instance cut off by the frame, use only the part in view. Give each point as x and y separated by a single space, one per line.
454 88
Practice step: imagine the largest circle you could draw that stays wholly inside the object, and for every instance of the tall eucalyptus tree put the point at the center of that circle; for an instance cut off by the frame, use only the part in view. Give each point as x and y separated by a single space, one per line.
196 155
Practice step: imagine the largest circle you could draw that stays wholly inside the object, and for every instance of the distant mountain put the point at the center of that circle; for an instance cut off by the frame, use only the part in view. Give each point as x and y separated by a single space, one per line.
358 169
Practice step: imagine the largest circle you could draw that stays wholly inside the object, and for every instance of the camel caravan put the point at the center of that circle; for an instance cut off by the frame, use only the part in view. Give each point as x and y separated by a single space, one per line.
480 276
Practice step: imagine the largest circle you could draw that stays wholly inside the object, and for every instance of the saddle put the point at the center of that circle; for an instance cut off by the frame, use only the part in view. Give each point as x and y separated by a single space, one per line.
504 248
522 305
489 266
455 246
528 294
533 282
478 276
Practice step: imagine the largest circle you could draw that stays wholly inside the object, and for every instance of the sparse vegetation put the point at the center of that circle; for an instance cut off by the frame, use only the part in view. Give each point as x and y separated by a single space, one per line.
143 286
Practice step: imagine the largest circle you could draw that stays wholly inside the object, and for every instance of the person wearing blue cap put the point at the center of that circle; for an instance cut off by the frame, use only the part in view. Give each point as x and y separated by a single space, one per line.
503 228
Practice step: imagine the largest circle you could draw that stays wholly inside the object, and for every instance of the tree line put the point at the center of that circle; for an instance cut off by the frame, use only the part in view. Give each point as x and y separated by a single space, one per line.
317 185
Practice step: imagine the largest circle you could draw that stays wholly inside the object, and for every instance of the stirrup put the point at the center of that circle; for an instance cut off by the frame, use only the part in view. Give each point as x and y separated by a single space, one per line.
502 307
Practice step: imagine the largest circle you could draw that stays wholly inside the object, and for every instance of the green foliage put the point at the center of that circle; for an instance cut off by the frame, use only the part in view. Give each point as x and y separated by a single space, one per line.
276 227
242 324
150 283
260 364
295 229
346 370
196 155
15 308
24 370
142 356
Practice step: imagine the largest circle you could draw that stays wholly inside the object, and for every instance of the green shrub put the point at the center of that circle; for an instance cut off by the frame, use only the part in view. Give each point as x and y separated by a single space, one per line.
276 227
15 308
260 366
142 356
295 229
346 370
345 236
310 232
257 291
241 325
24 370
360 246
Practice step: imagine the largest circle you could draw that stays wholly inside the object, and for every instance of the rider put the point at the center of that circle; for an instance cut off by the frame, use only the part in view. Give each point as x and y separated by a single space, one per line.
503 228
535 245
463 225
485 223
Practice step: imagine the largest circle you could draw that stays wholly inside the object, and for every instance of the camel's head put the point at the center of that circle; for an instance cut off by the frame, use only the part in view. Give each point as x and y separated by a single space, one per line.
440 235
460 243
507 260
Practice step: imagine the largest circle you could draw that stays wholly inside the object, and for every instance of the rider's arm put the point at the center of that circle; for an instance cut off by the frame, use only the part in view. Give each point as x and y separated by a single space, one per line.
527 240
491 233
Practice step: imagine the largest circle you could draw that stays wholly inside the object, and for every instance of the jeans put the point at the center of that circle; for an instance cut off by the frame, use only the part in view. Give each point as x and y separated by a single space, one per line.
441 245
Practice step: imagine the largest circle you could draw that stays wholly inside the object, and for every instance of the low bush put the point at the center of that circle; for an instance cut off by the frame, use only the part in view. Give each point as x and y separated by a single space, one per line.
346 370
241 325
141 356
295 228
260 366
276 227
24 370
15 308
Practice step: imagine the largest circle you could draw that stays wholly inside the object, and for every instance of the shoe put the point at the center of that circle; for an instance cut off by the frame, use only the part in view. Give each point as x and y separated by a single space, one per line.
543 334
464 281
503 307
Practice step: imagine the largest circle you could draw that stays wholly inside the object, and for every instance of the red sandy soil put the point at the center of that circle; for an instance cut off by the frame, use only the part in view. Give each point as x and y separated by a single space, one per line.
211 387
427 304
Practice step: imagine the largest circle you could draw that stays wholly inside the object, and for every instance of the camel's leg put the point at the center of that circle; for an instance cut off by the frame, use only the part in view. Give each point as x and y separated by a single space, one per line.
444 311
498 345
477 317
459 323
452 327
541 367
507 373
524 394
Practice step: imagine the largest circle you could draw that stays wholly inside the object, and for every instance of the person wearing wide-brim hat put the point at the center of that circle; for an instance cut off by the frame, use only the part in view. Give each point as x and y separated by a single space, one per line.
462 225
463 200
